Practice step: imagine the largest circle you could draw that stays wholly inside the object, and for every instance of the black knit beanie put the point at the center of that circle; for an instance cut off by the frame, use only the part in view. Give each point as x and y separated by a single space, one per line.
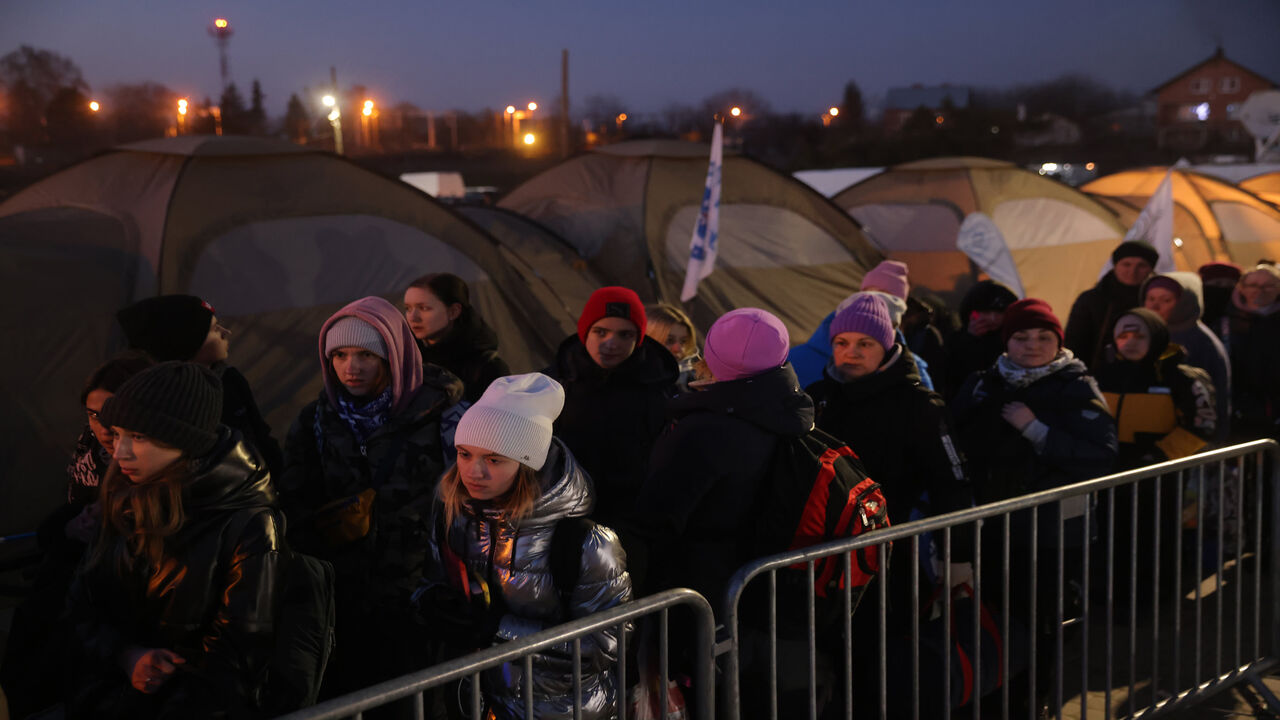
1135 248
177 403
167 327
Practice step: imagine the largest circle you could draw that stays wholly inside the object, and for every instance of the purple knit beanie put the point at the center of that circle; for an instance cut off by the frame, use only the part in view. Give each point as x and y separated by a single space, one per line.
867 314
889 276
746 342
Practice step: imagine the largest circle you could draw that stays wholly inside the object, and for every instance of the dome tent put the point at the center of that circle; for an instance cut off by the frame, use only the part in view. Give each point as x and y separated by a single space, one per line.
1234 223
559 275
1053 239
1265 186
630 209
274 236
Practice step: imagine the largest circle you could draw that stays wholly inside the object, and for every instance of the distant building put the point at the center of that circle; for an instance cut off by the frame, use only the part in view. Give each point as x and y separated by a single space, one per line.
901 103
1047 130
1195 109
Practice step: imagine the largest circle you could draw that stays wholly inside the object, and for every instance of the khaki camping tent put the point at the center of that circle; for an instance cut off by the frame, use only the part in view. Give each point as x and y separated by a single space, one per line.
1214 219
275 237
1031 232
630 209
1266 186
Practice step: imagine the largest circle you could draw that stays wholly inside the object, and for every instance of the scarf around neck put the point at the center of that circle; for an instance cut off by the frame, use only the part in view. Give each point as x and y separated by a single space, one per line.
1019 377
365 419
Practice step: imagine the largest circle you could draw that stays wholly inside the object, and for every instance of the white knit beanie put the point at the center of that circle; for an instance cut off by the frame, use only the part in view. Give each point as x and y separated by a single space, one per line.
513 418
351 331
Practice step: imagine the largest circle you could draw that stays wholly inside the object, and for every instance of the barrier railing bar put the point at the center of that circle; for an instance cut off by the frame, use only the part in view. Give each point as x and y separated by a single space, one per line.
1274 635
976 566
846 675
1034 632
528 684
883 587
811 637
1058 629
1199 578
1155 591
946 620
1111 598
1086 536
915 628
1133 596
1219 583
1177 584
664 659
1239 573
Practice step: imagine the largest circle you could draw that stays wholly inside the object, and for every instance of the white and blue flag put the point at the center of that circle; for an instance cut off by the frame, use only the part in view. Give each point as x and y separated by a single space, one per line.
706 232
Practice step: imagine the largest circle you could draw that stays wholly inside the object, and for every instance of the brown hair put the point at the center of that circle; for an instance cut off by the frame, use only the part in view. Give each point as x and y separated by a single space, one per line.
516 503
662 317
447 287
142 516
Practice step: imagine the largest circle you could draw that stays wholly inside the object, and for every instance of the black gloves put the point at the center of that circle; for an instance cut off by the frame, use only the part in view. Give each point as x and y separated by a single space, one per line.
458 620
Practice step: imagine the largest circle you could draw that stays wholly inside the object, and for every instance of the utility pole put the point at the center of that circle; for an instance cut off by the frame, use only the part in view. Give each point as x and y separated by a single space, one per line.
564 103
221 32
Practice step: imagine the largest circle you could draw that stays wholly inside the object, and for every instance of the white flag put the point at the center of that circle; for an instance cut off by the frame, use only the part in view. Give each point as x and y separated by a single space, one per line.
982 241
703 245
1154 226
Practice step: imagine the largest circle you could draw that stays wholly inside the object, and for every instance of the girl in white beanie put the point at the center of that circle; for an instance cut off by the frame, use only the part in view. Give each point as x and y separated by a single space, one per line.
495 574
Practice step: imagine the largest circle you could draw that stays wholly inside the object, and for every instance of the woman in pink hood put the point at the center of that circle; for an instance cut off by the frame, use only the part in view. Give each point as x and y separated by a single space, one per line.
361 465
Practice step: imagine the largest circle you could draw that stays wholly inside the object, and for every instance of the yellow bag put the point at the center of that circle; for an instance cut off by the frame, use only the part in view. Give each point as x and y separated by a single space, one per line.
346 519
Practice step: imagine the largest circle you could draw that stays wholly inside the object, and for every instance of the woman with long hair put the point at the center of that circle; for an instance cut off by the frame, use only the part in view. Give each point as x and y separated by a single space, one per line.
175 605
493 576
673 329
451 334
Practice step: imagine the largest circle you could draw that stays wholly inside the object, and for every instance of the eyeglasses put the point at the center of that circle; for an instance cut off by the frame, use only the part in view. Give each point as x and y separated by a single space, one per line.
1260 286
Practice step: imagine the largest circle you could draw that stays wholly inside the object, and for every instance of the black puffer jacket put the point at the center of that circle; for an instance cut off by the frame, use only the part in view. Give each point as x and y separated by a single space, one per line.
1003 463
901 431
325 462
696 512
212 600
611 418
470 351
1253 343
1093 316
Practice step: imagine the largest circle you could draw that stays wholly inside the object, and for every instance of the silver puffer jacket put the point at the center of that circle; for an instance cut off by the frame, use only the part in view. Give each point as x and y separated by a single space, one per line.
515 559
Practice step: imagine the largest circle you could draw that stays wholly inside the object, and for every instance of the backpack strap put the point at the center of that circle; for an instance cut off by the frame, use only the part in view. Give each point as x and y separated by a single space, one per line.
565 557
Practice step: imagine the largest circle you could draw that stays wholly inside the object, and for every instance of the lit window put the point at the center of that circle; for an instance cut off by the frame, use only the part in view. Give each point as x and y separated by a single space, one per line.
1229 85
1200 86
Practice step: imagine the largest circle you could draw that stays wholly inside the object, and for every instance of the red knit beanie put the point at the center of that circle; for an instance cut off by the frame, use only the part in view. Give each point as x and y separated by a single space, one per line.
612 301
1027 314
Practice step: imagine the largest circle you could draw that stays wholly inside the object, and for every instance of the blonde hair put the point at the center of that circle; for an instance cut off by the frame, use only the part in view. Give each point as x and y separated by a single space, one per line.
142 515
661 318
515 503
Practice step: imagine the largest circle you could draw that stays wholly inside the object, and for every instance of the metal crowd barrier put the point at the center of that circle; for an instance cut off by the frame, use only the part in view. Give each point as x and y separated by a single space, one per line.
522 650
1208 632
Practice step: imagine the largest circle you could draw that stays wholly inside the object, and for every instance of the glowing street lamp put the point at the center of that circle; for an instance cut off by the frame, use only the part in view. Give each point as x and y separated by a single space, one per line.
529 139
735 111
335 121
182 115
532 106
94 106
368 108
833 112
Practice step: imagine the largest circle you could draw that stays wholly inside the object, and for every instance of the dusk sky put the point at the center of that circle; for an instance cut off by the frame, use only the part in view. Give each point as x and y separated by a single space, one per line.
488 53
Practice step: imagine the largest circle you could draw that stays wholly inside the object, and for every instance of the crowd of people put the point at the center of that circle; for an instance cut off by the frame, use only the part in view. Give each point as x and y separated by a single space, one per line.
460 505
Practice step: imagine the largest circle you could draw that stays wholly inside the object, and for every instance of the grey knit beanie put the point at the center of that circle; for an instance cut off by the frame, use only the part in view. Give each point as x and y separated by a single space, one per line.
513 418
351 331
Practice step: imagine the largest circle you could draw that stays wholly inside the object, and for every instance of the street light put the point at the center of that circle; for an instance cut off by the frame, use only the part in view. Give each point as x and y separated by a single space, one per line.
532 106
182 115
529 139
834 111
335 121
94 106
221 33
735 111
368 108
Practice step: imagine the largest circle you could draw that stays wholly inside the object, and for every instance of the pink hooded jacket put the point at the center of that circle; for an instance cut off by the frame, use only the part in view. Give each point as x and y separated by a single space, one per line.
402 351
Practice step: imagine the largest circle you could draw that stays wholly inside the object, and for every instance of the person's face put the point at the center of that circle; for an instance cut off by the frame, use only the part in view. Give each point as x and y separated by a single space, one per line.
1132 270
985 322
856 355
92 406
427 316
216 345
611 341
1259 289
1033 348
141 457
677 337
486 475
1132 342
1161 300
359 370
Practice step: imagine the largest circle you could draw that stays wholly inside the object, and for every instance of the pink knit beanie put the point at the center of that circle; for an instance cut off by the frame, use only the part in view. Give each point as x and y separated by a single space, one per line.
746 342
889 276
